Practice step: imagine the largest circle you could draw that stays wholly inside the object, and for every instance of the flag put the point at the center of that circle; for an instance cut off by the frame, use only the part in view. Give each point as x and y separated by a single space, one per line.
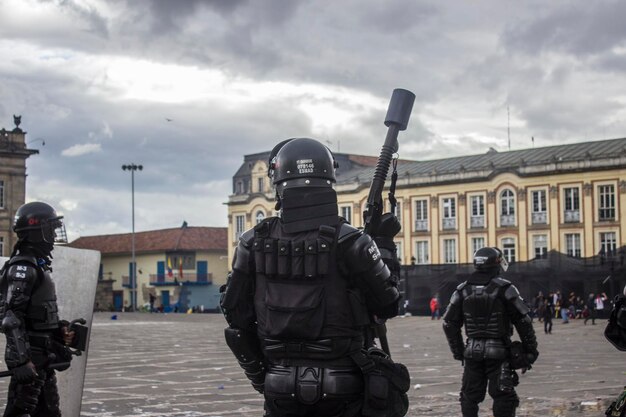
180 267
169 268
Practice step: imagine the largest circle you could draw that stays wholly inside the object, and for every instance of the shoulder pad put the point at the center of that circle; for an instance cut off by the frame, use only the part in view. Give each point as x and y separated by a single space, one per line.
511 293
247 237
456 296
346 232
23 259
461 286
501 282
21 272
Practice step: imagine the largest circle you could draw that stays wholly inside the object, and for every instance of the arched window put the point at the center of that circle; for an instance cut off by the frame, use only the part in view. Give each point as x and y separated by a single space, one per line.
259 216
507 200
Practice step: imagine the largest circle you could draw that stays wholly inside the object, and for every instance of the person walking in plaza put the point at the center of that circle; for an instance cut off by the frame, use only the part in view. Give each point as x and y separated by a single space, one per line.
591 307
548 313
434 307
303 288
488 306
600 299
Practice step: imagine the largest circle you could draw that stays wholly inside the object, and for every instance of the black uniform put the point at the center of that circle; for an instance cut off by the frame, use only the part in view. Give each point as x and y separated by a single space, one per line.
489 306
29 316
301 292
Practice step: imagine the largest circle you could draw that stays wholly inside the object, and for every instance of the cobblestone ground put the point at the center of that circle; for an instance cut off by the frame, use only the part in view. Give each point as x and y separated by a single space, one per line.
178 365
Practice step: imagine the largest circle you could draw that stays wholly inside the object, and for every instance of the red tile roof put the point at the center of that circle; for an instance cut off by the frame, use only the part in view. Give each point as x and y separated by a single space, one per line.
178 239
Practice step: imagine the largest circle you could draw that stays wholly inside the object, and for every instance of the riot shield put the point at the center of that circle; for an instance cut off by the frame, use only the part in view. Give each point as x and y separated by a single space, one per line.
75 274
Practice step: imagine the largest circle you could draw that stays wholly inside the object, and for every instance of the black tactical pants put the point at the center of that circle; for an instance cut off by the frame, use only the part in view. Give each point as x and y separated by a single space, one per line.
476 376
40 398
305 391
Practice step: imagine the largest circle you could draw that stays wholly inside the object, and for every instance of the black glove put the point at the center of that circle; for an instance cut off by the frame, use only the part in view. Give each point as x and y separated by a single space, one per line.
26 373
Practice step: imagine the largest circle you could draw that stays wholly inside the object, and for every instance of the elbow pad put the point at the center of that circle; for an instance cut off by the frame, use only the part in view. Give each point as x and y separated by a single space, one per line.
455 340
17 349
246 348
527 336
365 264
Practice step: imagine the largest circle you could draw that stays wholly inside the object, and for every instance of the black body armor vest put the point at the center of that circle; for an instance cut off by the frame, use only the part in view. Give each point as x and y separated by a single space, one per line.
484 310
305 307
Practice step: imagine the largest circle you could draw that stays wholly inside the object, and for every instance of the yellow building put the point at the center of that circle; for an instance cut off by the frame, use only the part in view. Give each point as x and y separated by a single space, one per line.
569 198
183 266
13 155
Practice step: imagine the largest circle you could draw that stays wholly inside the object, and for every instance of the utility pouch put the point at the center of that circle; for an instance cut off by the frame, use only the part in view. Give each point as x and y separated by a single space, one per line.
507 378
323 256
284 261
310 258
295 309
297 258
259 256
269 249
386 384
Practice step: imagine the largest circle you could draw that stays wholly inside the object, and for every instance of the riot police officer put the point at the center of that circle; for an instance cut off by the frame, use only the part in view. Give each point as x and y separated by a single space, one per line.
303 288
36 339
489 306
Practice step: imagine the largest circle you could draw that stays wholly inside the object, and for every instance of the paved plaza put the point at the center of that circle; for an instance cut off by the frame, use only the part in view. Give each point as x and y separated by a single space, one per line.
178 365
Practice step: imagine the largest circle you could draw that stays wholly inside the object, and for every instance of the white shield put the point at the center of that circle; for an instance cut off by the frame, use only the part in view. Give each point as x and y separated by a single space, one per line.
75 275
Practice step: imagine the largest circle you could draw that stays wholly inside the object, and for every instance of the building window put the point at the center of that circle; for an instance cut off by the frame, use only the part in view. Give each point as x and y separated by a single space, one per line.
507 208
508 249
606 202
540 246
346 213
477 243
572 205
260 216
421 252
240 224
608 243
539 210
477 216
449 251
1 194
261 184
449 213
421 215
239 187
572 244
186 260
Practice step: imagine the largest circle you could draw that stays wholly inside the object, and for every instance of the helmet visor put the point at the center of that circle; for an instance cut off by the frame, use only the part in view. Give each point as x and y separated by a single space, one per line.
53 231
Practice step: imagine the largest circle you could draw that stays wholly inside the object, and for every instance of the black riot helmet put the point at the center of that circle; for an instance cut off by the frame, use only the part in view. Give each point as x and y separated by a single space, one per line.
37 222
489 260
301 162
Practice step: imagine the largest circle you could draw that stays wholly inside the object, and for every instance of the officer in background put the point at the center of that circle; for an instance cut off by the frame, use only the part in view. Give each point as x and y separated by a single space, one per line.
302 290
35 337
489 306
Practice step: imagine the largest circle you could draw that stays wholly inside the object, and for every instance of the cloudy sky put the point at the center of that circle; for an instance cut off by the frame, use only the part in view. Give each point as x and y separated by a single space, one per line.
186 88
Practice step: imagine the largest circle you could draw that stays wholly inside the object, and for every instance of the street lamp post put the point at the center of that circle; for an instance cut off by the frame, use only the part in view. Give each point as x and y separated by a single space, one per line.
133 279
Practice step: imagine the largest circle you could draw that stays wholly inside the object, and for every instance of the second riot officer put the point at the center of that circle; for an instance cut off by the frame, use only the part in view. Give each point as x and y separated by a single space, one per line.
303 288
36 340
489 307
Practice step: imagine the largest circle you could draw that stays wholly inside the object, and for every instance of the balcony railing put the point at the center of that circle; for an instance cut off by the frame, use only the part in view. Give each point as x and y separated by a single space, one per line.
540 217
572 216
187 279
507 220
449 224
477 221
421 225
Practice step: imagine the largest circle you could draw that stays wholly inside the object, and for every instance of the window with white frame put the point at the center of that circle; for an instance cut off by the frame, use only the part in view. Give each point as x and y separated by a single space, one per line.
477 211
421 215
572 204
608 243
449 213
540 246
449 251
606 202
261 184
572 244
399 251
398 211
539 201
421 252
346 213
508 249
1 194
477 243
260 216
507 202
240 224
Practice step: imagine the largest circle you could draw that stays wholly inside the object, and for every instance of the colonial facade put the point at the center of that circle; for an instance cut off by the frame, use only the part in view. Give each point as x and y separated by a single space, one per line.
181 267
569 198
13 155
